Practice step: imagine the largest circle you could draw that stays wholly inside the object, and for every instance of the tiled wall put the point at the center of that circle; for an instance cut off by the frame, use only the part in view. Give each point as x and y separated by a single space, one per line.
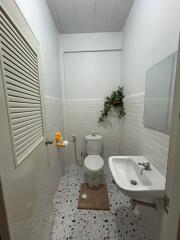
81 118
120 137
125 137
138 140
54 122
54 115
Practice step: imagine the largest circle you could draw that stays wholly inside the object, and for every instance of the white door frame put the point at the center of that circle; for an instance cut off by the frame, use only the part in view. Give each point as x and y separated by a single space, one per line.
23 187
170 221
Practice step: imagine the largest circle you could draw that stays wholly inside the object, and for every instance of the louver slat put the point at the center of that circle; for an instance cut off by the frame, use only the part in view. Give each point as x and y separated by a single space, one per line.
25 100
26 123
23 110
13 46
16 89
26 118
22 134
21 84
24 129
28 148
22 95
21 79
17 83
23 144
17 64
27 137
16 35
20 115
17 72
10 51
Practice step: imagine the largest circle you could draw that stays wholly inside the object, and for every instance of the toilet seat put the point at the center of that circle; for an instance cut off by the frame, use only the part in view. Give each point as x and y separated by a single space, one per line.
94 163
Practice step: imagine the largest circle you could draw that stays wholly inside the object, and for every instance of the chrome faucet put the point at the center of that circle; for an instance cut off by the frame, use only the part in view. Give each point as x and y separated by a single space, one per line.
146 165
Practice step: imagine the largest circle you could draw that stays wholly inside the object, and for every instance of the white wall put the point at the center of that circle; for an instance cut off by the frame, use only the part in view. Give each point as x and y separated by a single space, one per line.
150 34
91 75
54 122
81 118
91 41
39 19
90 69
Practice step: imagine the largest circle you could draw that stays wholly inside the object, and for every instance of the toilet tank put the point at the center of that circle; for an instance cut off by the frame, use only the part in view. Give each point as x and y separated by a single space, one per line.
93 144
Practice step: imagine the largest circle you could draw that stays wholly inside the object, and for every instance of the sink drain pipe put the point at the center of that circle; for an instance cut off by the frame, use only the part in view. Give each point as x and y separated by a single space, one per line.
134 202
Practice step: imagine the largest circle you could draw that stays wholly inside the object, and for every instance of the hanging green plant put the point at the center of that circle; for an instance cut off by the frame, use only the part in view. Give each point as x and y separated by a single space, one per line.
115 100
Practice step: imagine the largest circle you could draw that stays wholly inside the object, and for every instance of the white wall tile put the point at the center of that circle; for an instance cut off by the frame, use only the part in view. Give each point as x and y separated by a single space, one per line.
126 137
81 118
54 122
138 140
54 115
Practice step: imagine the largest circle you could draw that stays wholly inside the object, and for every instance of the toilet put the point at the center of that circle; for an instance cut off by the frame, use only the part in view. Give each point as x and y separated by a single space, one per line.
93 162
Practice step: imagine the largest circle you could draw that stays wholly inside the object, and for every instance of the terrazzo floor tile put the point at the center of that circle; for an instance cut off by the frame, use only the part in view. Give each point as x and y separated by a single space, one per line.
120 223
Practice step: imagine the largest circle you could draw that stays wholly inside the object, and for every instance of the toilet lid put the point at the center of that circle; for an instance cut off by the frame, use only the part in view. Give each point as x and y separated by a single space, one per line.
94 163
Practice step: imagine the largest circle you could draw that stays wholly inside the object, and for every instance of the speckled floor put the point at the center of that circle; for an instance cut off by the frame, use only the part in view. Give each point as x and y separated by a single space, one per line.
120 223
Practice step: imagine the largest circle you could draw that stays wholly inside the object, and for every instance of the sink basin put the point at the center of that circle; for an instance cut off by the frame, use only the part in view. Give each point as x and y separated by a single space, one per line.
127 174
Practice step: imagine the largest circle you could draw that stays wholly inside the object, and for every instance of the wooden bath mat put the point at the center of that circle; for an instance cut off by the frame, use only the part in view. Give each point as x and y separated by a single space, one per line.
96 199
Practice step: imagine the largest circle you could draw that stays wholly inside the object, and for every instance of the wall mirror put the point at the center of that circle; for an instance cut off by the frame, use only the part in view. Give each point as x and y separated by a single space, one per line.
159 91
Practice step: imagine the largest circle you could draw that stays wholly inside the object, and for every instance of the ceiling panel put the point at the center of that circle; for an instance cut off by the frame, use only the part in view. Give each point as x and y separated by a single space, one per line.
66 10
121 12
85 16
103 15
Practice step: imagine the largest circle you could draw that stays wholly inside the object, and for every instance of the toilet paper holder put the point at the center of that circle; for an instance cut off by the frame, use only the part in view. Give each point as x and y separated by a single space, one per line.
59 140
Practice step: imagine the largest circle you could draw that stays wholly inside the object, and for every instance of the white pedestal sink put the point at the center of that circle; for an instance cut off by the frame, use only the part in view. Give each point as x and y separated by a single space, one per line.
126 172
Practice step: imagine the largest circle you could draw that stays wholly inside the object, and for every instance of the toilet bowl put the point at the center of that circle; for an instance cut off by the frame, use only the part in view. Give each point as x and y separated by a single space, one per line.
93 163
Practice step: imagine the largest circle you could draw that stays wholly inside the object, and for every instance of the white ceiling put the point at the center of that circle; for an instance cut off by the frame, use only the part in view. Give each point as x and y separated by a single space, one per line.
86 16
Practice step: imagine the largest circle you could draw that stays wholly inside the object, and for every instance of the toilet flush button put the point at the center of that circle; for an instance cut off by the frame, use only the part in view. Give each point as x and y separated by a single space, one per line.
93 133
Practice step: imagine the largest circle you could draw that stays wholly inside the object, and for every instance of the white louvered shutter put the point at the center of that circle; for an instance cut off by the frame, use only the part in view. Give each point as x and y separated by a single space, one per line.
19 65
